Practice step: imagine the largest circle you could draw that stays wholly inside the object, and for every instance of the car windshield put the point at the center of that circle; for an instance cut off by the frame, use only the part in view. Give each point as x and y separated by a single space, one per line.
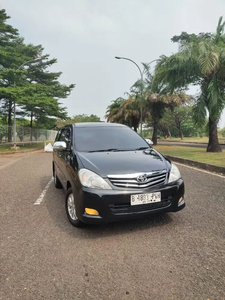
115 138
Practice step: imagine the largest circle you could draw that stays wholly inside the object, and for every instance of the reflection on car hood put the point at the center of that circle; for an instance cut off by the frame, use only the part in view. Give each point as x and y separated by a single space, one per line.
124 162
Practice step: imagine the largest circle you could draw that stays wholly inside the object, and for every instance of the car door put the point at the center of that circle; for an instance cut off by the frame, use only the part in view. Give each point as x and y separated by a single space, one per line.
62 157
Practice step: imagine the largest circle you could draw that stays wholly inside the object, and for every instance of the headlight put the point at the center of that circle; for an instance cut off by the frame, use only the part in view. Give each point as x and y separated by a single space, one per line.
174 173
92 180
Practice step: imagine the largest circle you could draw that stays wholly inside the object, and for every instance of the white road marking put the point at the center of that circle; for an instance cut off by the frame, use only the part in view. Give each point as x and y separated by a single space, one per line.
200 170
41 197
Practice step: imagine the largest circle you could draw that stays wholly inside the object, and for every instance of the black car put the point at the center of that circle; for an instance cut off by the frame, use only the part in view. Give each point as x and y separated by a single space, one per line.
110 173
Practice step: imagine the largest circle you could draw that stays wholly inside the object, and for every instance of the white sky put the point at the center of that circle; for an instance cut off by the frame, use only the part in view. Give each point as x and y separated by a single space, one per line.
86 35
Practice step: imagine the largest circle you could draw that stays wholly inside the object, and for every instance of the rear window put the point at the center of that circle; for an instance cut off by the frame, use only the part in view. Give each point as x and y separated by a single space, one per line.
103 138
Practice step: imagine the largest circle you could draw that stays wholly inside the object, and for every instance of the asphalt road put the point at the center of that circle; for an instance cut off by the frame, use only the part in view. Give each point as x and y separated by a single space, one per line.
174 256
184 144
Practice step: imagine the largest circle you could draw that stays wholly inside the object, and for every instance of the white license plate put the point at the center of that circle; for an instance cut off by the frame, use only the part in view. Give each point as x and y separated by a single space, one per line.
145 198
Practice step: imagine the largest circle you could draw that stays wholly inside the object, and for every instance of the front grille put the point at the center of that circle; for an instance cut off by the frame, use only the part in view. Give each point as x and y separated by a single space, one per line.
134 180
121 208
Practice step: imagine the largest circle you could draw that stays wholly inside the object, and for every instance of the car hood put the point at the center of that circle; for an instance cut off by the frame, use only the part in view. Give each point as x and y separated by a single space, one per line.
122 162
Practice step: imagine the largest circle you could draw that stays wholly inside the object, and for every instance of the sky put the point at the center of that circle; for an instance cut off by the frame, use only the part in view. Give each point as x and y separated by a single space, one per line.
86 35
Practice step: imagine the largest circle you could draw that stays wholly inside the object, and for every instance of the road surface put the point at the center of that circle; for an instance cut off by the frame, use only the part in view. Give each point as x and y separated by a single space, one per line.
173 256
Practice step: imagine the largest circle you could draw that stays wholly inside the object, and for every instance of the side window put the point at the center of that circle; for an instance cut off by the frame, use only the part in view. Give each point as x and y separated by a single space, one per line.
65 136
57 136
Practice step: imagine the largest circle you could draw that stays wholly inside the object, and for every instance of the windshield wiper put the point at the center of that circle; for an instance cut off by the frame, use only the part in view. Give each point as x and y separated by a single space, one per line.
142 148
106 150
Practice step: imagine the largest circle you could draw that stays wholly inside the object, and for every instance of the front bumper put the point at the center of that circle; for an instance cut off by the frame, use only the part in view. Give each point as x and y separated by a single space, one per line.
114 205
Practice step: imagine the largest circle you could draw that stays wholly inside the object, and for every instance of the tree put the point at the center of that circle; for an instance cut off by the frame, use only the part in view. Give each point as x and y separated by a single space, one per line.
154 100
85 118
157 103
181 116
8 38
222 132
35 91
200 61
113 110
130 111
78 119
178 122
43 91
124 111
157 99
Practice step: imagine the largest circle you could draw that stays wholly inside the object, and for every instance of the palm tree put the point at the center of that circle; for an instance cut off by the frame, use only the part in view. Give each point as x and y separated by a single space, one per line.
200 61
112 112
130 110
124 111
157 103
156 100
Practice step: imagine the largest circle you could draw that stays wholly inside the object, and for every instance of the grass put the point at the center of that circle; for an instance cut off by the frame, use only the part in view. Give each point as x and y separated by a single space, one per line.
193 140
195 154
22 147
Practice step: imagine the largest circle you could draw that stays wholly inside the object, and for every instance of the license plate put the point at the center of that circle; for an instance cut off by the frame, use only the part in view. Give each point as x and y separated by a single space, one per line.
145 198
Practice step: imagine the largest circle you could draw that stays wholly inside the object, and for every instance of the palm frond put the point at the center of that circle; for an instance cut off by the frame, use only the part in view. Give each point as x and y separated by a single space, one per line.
219 29
199 111
209 58
216 98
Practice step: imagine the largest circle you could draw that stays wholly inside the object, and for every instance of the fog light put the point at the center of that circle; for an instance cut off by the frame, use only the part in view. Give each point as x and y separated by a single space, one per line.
180 201
91 211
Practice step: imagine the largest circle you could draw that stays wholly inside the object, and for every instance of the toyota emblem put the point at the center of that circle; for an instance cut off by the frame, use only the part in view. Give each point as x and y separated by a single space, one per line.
142 178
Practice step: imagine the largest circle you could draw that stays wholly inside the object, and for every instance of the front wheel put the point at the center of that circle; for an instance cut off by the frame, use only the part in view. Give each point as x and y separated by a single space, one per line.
71 209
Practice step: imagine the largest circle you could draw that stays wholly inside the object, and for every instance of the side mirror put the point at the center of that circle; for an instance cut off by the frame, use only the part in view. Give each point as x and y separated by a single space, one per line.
150 142
59 146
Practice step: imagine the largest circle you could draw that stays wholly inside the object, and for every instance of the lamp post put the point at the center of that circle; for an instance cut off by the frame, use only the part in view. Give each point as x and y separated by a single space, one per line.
142 81
14 105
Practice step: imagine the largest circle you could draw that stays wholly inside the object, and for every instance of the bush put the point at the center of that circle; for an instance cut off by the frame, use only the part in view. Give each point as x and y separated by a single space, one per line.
222 132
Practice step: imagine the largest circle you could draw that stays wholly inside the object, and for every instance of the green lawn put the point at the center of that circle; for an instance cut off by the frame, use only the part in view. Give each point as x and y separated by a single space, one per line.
193 154
193 140
22 147
179 151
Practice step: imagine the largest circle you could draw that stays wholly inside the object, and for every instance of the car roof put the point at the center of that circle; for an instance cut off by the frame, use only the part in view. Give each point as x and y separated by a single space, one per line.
97 124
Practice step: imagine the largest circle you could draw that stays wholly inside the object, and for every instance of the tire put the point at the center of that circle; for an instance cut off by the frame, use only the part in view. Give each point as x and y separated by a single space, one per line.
71 209
57 182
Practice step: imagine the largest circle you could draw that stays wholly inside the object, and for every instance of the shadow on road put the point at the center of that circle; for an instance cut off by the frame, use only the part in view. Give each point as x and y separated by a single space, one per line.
56 208
124 227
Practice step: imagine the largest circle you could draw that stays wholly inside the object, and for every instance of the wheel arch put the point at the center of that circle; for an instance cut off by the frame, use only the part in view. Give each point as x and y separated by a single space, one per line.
53 168
68 185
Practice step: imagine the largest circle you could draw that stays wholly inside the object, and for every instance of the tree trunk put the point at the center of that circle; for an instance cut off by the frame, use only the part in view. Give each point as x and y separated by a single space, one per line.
213 144
155 133
181 133
10 122
135 124
178 124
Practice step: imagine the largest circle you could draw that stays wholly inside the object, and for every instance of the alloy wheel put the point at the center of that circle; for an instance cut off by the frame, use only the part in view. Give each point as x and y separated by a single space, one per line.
71 208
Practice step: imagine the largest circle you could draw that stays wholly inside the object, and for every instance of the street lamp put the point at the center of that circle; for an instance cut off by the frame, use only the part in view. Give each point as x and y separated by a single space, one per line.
142 81
14 106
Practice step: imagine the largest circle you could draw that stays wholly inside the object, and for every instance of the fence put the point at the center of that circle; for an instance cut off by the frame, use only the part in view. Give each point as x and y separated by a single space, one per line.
25 135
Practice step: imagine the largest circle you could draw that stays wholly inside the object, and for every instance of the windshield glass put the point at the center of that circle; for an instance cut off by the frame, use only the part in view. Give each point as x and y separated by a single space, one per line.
107 138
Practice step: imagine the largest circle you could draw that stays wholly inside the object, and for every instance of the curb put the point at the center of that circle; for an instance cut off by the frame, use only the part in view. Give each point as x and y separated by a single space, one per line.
24 151
205 166
181 142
